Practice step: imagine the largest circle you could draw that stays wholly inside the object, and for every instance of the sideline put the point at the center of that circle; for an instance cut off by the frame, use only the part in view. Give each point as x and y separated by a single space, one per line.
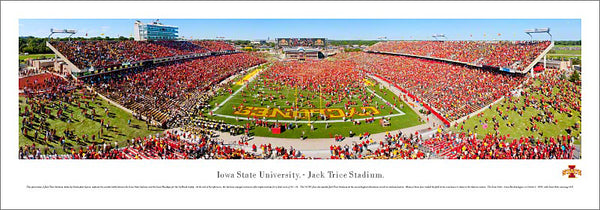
247 77
305 121
319 147
385 101
241 88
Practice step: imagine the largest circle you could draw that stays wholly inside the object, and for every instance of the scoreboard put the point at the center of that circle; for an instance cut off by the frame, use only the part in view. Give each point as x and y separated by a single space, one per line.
301 42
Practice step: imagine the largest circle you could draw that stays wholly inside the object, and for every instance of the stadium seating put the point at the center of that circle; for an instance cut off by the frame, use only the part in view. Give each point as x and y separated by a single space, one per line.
187 144
468 146
169 92
214 46
508 54
102 54
453 91
162 92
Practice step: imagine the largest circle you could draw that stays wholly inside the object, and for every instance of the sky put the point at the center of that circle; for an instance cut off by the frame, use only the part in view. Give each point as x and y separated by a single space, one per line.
334 29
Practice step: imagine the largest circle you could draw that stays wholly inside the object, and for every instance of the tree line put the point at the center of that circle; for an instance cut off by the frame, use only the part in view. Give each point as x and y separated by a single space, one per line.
568 42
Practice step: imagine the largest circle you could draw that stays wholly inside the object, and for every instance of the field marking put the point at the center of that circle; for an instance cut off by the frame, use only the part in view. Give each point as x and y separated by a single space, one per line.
400 113
248 76
236 92
385 101
305 121
227 99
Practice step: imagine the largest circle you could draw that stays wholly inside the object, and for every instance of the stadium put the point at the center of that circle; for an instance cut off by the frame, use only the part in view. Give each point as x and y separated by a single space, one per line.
162 97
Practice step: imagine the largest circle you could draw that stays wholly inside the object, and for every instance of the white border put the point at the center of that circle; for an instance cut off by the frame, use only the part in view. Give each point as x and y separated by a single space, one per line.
16 174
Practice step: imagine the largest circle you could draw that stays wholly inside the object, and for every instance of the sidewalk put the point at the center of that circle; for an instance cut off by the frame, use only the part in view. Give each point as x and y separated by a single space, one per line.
316 148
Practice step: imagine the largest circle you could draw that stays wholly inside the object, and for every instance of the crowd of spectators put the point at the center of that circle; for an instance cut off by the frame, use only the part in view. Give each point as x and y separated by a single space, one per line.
332 76
548 94
114 53
540 102
174 91
391 147
186 143
207 125
50 99
164 91
455 91
26 72
336 81
215 46
262 151
469 146
40 83
173 144
509 54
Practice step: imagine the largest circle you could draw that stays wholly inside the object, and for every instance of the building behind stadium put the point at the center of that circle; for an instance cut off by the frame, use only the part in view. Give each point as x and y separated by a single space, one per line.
302 48
154 31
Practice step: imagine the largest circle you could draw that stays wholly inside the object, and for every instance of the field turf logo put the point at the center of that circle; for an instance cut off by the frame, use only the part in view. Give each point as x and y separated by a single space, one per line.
290 113
572 171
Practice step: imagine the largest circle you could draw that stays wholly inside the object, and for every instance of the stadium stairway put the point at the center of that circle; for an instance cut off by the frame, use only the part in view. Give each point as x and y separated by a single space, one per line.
540 57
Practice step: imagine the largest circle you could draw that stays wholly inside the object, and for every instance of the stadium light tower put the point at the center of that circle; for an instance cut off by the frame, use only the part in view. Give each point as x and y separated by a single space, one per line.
436 36
538 31
63 31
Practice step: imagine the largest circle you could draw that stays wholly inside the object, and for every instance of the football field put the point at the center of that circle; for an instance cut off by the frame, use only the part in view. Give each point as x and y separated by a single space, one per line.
328 116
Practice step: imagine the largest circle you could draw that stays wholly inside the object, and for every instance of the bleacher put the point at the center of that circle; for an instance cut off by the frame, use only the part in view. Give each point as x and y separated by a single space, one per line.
509 56
93 57
159 93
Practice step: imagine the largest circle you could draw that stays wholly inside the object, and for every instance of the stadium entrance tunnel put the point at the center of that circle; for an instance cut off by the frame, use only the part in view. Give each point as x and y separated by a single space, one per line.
321 55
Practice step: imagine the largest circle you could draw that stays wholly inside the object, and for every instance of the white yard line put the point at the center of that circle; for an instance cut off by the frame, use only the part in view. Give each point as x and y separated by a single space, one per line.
395 108
236 92
227 99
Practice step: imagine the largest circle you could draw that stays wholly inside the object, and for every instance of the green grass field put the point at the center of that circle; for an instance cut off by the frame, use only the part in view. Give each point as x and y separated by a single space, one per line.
34 56
320 131
564 54
119 132
251 99
521 123
567 52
